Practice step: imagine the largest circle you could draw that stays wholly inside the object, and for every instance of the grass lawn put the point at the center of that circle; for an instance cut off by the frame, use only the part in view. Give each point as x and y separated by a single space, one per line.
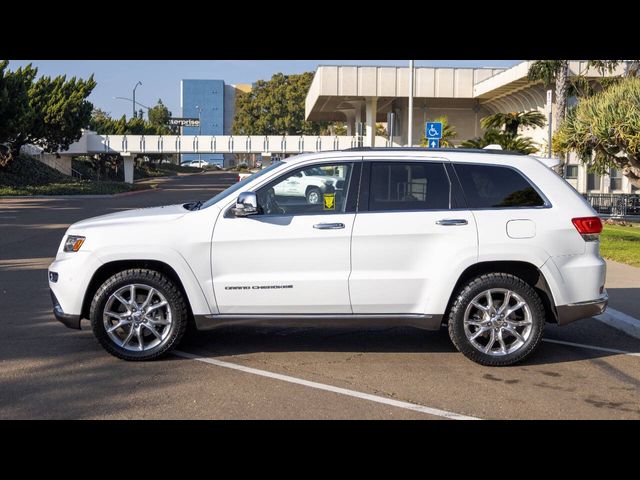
621 244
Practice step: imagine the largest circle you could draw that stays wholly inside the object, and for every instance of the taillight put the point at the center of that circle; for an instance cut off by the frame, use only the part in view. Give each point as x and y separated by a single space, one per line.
588 227
238 179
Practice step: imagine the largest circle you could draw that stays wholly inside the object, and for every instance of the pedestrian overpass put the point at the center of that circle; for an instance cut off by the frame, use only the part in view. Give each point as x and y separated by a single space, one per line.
132 146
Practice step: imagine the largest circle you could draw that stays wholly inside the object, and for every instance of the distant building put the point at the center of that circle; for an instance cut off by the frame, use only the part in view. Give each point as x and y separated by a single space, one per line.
213 102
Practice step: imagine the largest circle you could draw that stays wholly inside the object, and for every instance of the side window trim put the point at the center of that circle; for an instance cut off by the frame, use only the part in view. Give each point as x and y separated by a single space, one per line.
546 202
365 183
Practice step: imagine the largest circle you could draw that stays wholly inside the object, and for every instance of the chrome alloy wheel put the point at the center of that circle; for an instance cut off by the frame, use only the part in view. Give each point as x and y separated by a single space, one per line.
498 322
138 311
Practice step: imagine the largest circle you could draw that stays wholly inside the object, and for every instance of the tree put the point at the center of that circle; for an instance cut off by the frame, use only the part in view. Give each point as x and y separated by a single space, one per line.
15 114
101 122
159 117
50 114
448 133
275 107
553 71
605 129
512 121
507 141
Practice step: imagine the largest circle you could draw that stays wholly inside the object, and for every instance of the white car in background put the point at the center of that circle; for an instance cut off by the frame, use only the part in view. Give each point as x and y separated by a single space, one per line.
195 164
311 184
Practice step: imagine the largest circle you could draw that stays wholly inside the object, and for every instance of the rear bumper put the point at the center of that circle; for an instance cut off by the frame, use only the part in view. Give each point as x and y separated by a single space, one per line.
71 321
577 311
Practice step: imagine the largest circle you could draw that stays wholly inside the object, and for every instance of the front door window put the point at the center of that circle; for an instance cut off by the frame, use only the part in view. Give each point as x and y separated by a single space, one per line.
319 189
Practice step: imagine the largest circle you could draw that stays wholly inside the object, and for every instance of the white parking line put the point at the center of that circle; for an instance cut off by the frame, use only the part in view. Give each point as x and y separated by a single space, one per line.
329 388
591 347
620 320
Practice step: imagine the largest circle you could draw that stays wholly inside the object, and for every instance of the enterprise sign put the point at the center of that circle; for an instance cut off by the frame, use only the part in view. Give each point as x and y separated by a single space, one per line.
184 122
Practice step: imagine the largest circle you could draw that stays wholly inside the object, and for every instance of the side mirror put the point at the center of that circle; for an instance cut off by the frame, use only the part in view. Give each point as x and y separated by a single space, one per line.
246 204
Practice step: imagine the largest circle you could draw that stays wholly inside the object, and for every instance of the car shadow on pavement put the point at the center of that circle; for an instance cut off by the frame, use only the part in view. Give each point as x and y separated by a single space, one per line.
243 340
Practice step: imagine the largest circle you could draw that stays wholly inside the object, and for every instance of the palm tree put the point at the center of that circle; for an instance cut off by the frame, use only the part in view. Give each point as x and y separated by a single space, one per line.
553 71
507 141
448 133
513 120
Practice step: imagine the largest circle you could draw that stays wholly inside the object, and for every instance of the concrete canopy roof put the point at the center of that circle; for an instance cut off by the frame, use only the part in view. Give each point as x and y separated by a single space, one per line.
516 78
338 89
334 87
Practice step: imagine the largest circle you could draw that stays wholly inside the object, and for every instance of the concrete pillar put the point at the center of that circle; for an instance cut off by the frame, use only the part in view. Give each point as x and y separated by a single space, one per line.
403 134
128 167
350 121
370 126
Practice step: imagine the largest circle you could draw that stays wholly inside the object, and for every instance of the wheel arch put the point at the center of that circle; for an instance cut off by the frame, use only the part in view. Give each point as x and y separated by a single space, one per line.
108 269
524 270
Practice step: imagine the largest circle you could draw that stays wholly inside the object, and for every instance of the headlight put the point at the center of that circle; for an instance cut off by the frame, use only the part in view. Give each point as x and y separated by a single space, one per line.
73 243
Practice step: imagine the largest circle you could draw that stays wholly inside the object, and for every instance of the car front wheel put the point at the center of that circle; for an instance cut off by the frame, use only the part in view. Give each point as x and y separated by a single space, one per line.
313 196
138 314
497 319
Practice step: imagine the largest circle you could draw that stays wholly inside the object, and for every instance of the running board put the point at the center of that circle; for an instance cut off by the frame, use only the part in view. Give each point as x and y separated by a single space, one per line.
425 322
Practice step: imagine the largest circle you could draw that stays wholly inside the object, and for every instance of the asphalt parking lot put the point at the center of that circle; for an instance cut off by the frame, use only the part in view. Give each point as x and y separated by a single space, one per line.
586 370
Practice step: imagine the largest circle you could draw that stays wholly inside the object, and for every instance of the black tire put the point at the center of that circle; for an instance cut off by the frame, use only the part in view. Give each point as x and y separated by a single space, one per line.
316 191
162 284
479 285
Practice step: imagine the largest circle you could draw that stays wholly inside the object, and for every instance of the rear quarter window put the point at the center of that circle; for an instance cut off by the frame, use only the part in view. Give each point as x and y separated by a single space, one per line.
492 186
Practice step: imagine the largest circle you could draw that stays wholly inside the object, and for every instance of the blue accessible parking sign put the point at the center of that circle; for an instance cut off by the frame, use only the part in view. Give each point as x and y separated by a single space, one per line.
434 143
433 130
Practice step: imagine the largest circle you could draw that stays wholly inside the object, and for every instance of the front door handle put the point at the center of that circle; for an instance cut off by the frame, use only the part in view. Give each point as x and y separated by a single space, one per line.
452 221
328 226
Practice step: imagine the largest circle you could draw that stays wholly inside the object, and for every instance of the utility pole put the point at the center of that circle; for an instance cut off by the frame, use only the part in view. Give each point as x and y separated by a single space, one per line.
410 126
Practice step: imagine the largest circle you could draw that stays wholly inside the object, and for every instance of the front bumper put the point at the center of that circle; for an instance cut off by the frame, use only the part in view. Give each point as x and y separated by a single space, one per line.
71 321
577 311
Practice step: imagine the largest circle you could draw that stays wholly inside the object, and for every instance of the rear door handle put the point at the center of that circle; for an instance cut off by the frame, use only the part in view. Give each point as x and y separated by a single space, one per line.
328 226
452 221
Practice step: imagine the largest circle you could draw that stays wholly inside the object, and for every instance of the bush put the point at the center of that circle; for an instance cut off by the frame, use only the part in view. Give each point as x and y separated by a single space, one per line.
26 170
28 176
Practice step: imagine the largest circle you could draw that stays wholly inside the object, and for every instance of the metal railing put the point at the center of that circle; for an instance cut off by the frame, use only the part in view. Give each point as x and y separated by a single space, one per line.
615 204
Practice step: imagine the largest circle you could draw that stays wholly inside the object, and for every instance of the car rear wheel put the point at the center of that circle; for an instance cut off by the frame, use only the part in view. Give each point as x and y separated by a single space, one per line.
138 314
496 320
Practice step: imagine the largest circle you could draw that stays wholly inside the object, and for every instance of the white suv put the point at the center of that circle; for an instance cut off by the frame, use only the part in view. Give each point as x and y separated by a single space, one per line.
491 244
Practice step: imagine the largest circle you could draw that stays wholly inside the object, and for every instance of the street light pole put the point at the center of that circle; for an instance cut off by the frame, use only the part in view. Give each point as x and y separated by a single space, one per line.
134 98
199 129
410 126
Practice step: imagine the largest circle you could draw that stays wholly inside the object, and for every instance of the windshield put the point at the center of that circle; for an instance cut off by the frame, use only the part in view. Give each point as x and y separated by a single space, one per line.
316 171
237 186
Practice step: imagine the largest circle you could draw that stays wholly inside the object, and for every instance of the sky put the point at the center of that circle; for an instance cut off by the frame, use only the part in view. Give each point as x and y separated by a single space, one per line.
161 78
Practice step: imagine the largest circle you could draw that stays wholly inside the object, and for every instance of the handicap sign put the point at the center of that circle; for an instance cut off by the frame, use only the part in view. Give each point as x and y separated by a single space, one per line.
433 143
433 130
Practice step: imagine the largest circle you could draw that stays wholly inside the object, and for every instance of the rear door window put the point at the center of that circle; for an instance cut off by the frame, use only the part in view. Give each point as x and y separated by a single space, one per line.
408 186
492 186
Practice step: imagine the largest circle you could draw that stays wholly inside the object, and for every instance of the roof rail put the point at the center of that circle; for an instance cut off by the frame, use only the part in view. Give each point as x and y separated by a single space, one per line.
424 149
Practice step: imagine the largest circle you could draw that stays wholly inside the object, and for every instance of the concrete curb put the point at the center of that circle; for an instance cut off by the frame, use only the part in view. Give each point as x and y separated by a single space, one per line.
80 197
135 192
100 195
620 321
